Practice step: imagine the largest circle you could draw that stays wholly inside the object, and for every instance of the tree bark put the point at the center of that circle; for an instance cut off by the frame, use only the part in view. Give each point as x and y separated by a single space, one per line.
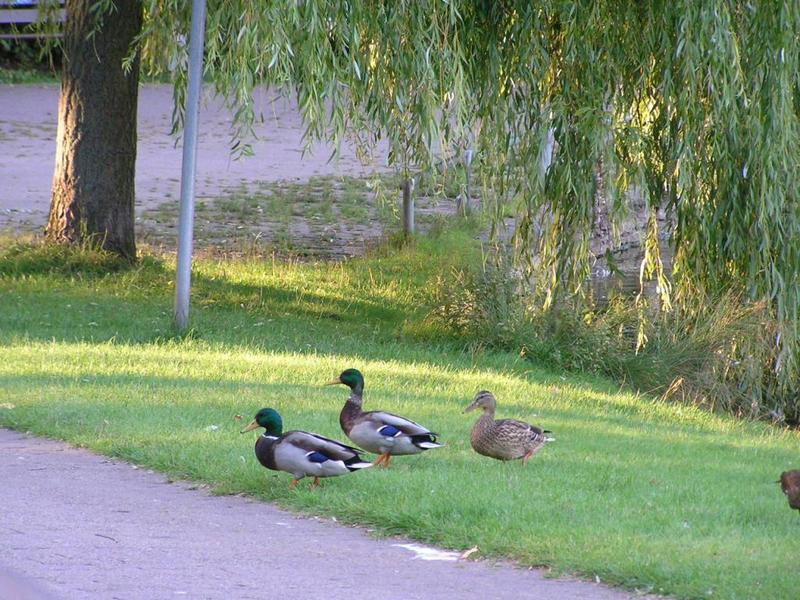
93 184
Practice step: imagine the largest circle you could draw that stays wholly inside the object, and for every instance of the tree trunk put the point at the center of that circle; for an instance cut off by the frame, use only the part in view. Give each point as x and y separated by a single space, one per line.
93 184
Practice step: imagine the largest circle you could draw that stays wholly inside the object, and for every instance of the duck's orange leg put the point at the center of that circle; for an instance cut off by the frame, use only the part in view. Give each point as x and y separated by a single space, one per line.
293 484
386 462
315 483
526 458
383 459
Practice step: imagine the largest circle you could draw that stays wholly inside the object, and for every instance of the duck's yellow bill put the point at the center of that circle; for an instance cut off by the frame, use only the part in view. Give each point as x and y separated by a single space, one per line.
250 427
334 382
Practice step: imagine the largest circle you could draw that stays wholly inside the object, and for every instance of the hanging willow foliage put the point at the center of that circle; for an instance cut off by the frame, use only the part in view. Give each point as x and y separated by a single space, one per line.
693 103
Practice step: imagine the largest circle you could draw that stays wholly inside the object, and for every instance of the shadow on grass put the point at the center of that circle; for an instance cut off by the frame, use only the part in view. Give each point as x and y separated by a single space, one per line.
275 300
114 280
35 258
54 293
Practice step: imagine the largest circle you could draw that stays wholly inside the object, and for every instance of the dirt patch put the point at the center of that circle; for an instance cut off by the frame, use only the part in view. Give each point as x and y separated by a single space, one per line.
326 216
285 197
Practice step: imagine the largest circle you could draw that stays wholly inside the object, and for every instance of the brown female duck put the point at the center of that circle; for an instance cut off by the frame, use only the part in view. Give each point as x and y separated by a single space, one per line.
790 484
503 439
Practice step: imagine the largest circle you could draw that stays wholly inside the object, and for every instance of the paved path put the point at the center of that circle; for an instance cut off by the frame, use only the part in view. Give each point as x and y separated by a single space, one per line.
77 525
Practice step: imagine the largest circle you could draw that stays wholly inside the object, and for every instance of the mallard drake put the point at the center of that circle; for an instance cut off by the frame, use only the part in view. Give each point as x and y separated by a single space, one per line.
301 453
503 439
377 431
790 484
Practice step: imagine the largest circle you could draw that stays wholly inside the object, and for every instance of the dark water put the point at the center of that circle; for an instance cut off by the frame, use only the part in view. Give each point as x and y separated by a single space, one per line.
624 279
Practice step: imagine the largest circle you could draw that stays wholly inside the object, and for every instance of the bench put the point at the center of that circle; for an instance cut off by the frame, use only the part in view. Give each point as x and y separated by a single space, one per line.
15 17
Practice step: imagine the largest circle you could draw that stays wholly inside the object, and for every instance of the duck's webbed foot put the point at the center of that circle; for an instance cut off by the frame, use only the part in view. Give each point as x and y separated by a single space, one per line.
383 459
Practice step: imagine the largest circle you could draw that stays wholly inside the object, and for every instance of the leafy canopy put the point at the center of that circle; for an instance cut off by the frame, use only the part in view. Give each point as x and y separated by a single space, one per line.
693 103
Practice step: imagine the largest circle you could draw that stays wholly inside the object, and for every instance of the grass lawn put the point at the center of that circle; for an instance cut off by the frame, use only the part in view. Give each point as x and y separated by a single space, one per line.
643 494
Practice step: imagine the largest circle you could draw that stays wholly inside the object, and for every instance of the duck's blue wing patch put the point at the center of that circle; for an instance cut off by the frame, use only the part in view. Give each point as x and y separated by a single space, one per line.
389 431
317 457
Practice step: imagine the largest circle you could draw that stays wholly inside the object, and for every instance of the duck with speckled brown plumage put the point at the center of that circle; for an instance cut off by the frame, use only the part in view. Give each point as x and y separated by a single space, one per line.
503 439
790 484
377 431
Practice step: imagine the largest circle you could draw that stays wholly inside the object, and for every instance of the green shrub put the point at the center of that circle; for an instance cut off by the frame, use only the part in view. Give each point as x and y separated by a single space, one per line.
722 357
22 258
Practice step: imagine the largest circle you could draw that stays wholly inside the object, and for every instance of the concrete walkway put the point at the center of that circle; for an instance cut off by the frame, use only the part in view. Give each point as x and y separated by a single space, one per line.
77 525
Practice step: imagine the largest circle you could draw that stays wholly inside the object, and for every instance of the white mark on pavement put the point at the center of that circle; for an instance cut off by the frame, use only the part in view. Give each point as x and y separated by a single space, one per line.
425 553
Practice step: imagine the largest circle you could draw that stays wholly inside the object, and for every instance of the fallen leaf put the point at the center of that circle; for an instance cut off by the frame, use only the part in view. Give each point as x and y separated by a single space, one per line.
467 553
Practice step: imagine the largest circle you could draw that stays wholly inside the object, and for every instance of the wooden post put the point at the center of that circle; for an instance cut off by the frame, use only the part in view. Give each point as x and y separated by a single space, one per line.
467 205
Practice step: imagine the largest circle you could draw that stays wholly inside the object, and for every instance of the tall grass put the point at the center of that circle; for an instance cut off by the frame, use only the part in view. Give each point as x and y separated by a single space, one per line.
22 258
721 355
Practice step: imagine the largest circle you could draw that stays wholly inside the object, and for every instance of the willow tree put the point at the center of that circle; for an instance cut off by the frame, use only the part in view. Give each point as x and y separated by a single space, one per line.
695 103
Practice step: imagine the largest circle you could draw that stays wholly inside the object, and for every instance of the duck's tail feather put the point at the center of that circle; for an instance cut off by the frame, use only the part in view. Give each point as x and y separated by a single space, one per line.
547 438
426 441
355 463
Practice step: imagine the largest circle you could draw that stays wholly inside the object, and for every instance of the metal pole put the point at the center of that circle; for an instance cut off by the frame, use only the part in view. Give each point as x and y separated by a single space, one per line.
408 206
186 220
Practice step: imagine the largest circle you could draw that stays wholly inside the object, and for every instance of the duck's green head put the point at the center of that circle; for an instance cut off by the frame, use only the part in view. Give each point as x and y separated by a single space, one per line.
352 378
269 419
